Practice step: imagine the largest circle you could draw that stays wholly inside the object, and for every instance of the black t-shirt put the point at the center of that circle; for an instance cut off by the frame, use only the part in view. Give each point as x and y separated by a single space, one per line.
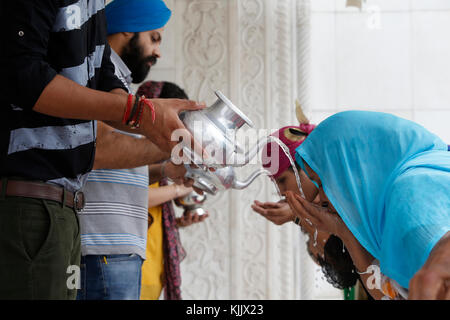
40 40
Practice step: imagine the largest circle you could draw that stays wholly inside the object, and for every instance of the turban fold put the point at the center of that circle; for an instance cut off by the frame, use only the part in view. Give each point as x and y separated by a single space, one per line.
136 15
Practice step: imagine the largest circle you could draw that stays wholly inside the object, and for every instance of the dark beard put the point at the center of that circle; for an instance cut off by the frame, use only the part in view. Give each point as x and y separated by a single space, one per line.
134 60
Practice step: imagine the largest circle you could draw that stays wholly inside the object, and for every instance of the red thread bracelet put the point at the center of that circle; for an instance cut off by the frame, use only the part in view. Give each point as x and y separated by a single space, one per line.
139 114
152 108
128 108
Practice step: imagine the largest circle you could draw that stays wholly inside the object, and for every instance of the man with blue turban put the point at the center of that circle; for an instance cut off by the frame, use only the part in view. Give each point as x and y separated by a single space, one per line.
135 30
115 220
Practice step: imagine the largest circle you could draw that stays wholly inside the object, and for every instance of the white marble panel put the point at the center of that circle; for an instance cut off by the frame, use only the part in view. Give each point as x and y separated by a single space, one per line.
167 59
383 5
323 290
374 64
316 117
437 121
430 4
162 74
323 62
431 63
323 5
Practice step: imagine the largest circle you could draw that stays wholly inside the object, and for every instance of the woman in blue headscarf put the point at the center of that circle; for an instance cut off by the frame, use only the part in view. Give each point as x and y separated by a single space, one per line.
388 182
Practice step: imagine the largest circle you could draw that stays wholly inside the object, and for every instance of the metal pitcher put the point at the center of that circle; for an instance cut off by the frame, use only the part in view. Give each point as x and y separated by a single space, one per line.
192 203
215 129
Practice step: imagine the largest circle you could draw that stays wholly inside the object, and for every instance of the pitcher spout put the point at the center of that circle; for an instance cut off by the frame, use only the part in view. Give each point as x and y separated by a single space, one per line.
239 185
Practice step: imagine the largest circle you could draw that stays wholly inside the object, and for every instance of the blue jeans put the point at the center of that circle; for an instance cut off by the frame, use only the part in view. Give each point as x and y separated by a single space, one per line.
110 277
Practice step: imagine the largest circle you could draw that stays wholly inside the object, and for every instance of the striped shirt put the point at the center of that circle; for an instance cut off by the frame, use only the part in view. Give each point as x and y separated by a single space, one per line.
115 219
43 39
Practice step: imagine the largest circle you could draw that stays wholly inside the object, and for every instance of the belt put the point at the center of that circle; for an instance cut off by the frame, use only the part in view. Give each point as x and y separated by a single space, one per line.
40 190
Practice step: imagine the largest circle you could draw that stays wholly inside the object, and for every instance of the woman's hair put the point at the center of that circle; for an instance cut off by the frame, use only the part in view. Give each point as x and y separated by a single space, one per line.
337 265
161 89
172 91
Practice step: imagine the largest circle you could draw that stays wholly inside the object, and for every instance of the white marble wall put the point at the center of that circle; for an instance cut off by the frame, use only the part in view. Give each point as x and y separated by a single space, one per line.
392 56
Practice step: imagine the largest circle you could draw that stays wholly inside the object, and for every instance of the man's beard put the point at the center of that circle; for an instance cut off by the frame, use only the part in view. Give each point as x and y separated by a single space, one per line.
133 58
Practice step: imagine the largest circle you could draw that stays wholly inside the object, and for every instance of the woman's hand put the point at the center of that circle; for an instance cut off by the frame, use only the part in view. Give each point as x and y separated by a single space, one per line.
320 217
277 212
189 219
181 190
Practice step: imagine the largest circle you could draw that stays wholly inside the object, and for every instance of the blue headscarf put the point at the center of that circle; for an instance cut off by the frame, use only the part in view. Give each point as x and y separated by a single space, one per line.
136 15
389 180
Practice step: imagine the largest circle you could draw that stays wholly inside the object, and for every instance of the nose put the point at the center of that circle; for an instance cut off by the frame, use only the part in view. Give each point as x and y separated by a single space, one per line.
157 52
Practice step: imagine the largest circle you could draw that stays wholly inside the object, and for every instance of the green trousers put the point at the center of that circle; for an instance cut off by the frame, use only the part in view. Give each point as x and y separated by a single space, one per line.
39 249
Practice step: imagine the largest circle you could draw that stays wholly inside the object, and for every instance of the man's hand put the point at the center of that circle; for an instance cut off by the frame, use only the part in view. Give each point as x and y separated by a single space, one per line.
432 281
189 219
277 212
176 173
167 121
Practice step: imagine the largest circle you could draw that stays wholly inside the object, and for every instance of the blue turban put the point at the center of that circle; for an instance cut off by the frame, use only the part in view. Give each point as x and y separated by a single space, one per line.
136 15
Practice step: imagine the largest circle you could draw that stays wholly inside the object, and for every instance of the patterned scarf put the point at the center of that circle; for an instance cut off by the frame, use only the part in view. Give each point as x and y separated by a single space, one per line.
173 250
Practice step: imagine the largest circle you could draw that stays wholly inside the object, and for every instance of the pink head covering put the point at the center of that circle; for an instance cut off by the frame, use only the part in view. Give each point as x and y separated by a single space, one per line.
292 137
151 89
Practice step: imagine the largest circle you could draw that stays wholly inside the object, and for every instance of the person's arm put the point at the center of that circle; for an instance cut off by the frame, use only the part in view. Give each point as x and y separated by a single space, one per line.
361 258
160 195
116 150
84 103
156 172
31 80
277 212
432 281
167 169
323 220
31 83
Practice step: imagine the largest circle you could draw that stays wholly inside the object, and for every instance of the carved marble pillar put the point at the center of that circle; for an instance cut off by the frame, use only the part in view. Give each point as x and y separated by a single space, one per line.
307 270
255 52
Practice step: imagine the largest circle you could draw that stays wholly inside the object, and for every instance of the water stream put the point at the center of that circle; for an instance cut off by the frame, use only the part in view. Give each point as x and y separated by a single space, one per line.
315 238
292 161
